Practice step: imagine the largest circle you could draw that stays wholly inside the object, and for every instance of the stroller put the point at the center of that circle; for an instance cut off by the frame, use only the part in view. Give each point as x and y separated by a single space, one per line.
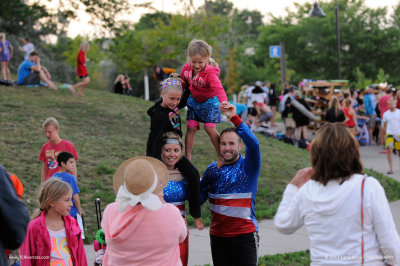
99 244
362 135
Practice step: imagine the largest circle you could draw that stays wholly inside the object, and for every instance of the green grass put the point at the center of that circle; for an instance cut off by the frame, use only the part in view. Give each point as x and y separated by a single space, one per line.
288 259
106 130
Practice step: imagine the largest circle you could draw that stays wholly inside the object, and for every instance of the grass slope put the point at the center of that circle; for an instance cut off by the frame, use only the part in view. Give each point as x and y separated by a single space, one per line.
107 129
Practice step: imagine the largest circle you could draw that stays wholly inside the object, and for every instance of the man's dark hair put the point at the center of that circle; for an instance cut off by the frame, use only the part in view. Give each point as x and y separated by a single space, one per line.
229 129
63 157
33 53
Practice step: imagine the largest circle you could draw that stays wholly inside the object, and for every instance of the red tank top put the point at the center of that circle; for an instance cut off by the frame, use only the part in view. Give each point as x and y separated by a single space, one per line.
349 122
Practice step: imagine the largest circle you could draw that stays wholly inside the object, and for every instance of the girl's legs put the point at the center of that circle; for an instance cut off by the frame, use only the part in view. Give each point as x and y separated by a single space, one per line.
3 69
213 133
82 84
85 82
189 141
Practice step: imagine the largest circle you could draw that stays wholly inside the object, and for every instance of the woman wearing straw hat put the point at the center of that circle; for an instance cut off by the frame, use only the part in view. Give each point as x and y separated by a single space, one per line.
139 227
176 192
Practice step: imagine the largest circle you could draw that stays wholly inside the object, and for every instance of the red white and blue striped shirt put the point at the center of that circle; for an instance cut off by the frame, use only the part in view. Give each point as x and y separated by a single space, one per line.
232 189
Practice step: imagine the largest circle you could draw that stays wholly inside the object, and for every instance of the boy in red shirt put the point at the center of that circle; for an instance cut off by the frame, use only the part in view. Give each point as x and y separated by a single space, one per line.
51 149
81 69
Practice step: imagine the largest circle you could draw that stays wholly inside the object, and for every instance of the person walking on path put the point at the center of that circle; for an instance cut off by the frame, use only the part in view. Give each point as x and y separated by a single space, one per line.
347 214
233 231
391 125
6 53
370 105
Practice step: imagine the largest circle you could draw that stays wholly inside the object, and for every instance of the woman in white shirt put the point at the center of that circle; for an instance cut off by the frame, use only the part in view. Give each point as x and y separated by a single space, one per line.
327 200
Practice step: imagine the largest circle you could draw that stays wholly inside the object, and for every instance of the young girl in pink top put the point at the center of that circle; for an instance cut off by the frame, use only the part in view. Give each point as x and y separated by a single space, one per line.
53 237
200 75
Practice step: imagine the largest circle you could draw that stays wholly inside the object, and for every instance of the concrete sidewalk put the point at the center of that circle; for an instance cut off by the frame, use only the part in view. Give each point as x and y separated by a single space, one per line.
273 242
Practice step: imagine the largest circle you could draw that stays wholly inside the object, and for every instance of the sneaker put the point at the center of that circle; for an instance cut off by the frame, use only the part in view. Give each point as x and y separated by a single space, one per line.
389 172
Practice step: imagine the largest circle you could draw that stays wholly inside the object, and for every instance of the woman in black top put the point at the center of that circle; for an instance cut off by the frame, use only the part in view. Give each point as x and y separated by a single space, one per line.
118 84
334 112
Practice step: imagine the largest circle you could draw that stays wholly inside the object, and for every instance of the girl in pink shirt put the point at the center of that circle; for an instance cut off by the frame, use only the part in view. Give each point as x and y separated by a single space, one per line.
200 76
53 237
139 227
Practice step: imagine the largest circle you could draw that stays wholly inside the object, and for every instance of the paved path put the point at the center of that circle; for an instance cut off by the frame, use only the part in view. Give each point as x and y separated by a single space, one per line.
273 242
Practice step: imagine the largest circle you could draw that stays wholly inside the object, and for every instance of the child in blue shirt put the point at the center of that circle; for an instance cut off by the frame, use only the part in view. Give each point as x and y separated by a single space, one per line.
66 161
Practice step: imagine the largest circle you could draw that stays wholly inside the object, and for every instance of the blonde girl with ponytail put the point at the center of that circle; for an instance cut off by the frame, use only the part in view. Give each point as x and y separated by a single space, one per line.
53 236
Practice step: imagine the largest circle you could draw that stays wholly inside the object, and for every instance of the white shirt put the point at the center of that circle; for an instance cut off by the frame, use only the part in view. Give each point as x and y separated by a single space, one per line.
29 48
258 97
247 95
393 122
332 215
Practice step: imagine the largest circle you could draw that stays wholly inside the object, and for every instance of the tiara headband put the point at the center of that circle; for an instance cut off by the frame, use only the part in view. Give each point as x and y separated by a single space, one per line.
147 199
171 141
171 82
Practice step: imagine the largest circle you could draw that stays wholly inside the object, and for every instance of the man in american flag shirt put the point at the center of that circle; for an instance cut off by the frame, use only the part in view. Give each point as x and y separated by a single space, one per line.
231 191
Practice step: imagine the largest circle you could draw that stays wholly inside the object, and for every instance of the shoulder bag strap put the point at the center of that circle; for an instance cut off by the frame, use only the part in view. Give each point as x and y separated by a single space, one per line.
362 221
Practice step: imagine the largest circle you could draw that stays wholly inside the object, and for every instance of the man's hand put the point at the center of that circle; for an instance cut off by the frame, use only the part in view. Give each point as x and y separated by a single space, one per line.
228 109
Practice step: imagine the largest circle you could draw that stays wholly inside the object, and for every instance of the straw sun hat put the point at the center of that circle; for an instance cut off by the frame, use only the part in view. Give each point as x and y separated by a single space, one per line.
138 174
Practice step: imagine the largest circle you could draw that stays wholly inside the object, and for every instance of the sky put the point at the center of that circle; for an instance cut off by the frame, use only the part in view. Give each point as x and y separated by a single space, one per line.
277 8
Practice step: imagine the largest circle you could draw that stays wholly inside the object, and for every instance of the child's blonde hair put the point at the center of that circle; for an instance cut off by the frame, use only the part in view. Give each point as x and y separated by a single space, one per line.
51 121
200 47
50 191
174 82
84 45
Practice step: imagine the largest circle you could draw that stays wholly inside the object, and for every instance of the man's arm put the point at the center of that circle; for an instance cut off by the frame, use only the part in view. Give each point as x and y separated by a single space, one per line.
36 67
252 161
43 173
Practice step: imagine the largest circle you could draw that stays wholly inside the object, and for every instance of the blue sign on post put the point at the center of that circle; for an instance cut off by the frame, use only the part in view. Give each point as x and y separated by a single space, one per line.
275 51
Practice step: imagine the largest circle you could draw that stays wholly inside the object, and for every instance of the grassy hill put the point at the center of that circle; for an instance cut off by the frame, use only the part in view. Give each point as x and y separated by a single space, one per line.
107 129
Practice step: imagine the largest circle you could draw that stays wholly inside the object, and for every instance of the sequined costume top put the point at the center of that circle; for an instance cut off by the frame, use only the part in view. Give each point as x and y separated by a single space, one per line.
176 191
232 189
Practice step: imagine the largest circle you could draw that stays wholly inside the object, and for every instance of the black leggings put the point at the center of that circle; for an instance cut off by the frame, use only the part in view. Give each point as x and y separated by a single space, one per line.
239 250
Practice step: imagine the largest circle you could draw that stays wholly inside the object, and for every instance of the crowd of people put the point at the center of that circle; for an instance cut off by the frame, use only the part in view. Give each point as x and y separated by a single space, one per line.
146 225
31 73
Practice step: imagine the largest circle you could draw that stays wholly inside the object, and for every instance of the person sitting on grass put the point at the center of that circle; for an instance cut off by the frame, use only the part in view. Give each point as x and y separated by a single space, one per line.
66 161
30 72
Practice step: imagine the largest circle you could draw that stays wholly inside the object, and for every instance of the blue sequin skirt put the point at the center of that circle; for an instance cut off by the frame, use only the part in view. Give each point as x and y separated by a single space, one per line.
207 112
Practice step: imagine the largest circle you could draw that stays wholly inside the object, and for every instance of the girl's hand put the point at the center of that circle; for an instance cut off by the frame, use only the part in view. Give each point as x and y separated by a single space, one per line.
199 223
301 177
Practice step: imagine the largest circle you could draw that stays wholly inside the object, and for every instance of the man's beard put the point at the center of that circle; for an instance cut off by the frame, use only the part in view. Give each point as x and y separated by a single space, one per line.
231 160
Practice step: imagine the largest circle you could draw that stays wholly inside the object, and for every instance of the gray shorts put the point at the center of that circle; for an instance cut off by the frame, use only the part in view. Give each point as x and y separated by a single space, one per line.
372 121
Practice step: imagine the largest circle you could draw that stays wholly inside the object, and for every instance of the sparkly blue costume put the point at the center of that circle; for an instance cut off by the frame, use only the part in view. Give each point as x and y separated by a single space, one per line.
176 193
232 189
